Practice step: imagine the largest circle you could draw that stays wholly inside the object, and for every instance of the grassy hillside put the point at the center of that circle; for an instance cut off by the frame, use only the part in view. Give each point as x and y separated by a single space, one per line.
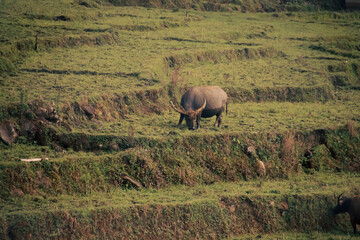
86 86
238 5
221 210
127 63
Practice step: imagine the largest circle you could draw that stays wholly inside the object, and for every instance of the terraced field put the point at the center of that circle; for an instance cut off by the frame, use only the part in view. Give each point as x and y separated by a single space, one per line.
86 86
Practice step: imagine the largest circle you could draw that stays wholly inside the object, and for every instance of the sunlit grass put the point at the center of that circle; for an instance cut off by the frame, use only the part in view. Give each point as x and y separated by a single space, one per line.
241 117
168 33
274 72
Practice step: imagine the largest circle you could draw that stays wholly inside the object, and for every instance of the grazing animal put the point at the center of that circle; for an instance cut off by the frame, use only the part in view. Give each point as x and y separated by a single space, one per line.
350 205
203 102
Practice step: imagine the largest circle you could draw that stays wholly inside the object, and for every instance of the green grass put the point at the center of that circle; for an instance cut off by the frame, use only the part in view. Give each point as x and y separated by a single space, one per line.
242 117
274 72
64 73
319 184
227 208
25 151
173 159
285 72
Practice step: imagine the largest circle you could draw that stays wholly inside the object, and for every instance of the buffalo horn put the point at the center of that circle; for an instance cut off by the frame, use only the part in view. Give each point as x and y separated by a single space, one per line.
176 109
201 108
339 198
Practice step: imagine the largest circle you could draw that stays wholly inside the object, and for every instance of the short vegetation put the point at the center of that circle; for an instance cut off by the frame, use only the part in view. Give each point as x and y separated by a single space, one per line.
86 86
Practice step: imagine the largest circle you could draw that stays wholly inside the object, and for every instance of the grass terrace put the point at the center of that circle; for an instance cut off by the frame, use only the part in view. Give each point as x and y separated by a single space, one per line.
86 86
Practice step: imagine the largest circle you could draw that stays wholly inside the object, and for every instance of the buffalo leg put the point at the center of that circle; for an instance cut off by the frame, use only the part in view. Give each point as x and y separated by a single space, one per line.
198 121
218 120
181 118
353 223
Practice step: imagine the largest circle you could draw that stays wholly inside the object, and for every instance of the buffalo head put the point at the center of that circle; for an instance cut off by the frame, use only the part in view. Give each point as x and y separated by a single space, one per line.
190 115
343 204
350 205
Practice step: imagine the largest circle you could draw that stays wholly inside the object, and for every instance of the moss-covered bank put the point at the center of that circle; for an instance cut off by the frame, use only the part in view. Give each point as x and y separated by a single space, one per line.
223 217
180 160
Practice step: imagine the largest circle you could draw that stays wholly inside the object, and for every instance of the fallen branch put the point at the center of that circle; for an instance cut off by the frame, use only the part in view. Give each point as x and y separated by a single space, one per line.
33 159
132 181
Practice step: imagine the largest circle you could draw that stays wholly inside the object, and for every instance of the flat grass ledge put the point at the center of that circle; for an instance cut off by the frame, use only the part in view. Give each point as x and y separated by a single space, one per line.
302 203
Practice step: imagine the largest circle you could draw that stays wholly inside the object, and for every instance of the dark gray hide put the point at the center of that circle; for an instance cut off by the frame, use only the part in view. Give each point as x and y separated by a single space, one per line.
351 206
203 102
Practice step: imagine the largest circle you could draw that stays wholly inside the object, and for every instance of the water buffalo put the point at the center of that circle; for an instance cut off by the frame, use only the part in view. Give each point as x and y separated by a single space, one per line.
350 205
203 102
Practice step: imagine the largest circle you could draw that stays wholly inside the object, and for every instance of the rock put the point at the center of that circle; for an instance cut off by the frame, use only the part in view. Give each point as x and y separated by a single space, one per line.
53 117
28 129
260 168
250 151
88 110
222 204
42 112
47 112
85 4
29 114
16 192
283 207
40 135
8 133
43 180
61 18
34 192
56 147
232 208
114 146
